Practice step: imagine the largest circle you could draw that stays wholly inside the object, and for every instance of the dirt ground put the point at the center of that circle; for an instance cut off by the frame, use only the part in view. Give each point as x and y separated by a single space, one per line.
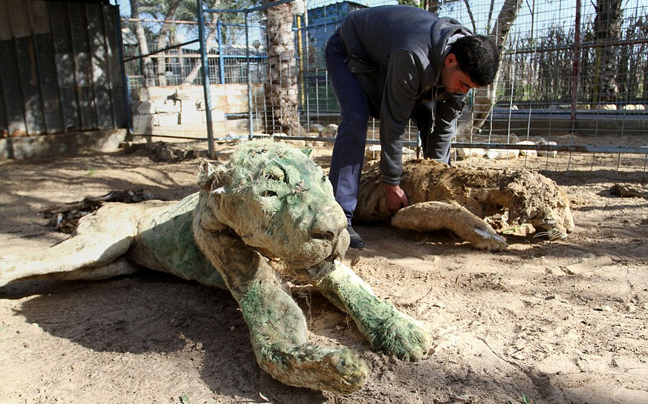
543 322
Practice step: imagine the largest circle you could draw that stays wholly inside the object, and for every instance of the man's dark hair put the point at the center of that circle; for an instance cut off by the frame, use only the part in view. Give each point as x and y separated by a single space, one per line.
478 56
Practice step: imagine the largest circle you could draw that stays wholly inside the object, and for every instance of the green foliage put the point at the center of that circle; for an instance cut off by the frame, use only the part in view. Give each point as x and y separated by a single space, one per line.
433 6
414 3
187 10
523 400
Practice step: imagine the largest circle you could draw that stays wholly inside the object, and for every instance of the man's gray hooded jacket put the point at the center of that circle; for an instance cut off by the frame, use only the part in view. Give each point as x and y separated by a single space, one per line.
397 52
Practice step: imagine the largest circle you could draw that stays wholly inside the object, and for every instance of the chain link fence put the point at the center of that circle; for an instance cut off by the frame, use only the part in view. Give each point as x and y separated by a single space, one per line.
572 81
166 84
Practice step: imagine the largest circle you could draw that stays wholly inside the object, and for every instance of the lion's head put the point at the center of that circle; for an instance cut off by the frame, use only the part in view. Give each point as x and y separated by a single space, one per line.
542 203
277 200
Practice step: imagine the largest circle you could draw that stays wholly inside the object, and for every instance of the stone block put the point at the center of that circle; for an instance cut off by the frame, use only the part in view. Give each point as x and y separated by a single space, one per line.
145 107
467 152
168 119
527 152
144 123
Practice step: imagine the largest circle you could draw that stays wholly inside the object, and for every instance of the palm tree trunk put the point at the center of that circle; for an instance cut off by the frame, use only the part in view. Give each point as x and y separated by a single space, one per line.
281 88
607 26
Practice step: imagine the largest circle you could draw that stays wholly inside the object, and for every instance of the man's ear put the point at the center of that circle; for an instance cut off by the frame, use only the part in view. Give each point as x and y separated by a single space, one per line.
451 60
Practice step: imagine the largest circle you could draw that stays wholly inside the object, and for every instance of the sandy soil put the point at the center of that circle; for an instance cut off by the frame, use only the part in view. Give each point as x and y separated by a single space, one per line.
562 322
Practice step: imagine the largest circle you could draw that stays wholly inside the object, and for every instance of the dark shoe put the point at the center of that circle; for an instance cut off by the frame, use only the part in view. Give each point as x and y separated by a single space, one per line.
356 240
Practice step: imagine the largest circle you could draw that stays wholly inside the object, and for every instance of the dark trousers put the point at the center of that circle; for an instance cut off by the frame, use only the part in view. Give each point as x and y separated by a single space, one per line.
351 139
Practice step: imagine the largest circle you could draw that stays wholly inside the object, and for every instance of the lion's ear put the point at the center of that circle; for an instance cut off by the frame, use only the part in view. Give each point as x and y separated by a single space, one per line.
209 173
205 173
210 176
308 151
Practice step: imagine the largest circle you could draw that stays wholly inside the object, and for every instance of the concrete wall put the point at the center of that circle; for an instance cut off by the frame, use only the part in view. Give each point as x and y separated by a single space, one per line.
180 110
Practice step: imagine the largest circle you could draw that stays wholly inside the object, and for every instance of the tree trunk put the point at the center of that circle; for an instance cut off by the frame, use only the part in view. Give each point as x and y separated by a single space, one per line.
431 5
645 81
146 62
281 88
210 43
607 26
162 41
161 61
474 117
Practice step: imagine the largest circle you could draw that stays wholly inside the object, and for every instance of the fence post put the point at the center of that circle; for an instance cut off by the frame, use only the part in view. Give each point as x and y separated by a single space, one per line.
124 76
575 65
221 60
205 74
249 78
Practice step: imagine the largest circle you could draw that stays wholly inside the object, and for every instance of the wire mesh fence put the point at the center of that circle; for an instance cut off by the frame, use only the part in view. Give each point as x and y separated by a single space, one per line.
572 81
166 83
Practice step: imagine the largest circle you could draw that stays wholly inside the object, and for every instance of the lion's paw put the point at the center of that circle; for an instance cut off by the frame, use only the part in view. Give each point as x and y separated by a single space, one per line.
489 240
403 337
339 370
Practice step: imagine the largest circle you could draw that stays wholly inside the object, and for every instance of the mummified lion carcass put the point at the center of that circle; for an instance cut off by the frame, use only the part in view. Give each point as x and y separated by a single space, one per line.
459 199
266 216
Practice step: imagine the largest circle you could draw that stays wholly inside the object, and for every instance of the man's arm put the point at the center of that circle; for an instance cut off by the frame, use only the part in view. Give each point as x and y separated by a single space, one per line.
399 97
445 126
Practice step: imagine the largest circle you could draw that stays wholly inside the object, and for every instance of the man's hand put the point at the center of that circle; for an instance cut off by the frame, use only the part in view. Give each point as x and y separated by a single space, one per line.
395 197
